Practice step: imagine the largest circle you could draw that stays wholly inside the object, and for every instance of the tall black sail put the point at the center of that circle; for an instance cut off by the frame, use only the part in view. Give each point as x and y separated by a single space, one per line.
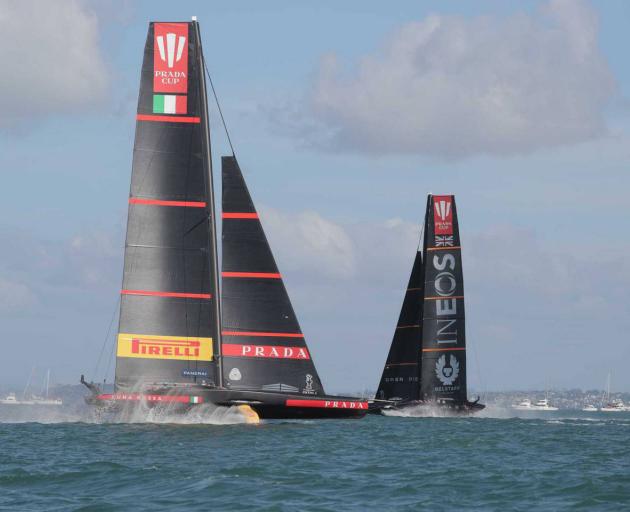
168 314
443 335
263 346
401 373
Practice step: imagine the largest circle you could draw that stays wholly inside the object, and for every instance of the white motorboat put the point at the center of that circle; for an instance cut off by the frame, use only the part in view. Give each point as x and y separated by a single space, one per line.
589 408
616 405
10 399
539 405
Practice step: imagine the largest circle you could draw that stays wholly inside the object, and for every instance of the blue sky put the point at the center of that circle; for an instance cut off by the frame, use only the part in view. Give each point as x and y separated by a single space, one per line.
344 116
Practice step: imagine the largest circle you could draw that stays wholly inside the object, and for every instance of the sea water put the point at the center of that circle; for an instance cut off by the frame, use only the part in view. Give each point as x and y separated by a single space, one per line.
493 461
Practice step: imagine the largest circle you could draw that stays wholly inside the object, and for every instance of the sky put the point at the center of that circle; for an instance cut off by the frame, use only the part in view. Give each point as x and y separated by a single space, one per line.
344 116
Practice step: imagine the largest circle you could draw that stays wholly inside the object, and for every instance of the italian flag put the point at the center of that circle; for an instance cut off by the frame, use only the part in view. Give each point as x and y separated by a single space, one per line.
170 104
194 400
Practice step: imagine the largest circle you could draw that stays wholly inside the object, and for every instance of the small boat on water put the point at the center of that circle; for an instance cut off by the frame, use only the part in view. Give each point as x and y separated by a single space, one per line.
10 399
183 340
31 399
589 408
538 405
615 405
612 405
426 363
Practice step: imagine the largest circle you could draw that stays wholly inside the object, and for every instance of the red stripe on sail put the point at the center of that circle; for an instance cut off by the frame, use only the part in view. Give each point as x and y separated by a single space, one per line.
159 202
239 215
267 334
443 248
167 294
327 404
263 275
264 351
168 119
442 349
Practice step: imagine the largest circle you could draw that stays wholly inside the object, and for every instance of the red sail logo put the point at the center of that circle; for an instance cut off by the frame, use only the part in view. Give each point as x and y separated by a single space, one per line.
443 215
265 351
170 57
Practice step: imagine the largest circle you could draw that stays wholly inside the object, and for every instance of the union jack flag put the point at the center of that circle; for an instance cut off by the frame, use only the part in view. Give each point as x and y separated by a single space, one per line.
444 240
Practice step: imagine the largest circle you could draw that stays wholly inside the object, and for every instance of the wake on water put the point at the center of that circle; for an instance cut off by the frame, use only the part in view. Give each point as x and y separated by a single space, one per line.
203 414
506 413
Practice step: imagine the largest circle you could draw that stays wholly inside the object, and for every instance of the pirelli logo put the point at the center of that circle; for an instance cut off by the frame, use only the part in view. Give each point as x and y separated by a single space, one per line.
147 346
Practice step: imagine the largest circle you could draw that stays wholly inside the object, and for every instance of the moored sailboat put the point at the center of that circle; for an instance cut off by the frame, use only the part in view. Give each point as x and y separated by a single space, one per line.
426 364
183 339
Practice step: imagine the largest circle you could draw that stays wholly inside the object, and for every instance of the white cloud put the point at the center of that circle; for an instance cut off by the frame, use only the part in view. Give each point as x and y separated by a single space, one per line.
51 61
14 296
452 86
309 242
531 303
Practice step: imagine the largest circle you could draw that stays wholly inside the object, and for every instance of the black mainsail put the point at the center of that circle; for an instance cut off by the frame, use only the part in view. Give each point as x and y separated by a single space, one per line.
427 360
263 345
169 344
400 379
168 316
443 333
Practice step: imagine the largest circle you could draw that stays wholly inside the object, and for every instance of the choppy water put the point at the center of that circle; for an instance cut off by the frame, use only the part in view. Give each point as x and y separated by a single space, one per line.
547 461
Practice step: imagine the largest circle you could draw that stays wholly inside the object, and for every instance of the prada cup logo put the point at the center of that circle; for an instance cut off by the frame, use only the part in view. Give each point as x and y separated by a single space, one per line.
170 58
447 374
173 51
443 209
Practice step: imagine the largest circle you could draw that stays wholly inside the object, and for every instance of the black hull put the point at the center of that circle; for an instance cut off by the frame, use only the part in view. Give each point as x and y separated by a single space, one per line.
267 405
446 408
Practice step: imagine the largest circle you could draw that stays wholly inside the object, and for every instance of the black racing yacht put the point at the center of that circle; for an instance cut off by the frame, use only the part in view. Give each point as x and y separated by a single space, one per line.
426 364
184 338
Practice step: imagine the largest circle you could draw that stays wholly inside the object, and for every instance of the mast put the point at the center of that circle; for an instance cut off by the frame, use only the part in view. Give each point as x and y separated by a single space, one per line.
214 259
28 383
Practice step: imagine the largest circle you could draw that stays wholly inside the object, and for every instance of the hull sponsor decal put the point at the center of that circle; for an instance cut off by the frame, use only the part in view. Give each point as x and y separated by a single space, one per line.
168 119
159 202
176 295
327 404
262 275
264 334
264 351
237 215
443 215
170 57
181 348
